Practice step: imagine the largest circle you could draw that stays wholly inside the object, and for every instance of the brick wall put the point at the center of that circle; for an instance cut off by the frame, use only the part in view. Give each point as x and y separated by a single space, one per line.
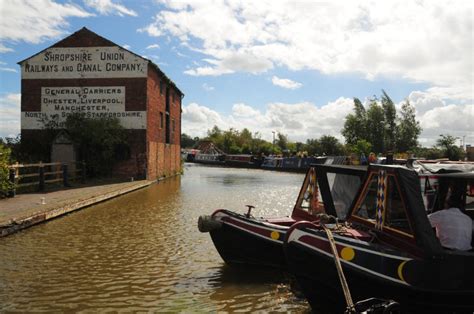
150 155
163 158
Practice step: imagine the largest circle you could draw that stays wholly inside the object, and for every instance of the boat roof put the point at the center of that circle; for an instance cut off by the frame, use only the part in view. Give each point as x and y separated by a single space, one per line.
457 175
340 168
440 167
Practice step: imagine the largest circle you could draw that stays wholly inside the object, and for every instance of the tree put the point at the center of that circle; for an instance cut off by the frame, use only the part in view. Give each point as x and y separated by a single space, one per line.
282 141
447 144
5 184
408 129
100 142
362 147
187 141
428 153
375 126
313 146
390 127
355 126
215 135
331 145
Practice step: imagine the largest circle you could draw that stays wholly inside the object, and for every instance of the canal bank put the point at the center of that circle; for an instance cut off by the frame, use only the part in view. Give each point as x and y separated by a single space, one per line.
26 210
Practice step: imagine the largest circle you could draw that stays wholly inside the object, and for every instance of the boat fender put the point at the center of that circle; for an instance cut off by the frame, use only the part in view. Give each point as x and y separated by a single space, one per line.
206 223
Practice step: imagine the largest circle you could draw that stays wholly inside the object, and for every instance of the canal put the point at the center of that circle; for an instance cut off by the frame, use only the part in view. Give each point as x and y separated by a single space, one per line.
143 251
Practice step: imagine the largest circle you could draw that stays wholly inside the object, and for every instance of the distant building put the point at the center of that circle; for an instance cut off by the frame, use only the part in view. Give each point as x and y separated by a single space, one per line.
87 73
470 152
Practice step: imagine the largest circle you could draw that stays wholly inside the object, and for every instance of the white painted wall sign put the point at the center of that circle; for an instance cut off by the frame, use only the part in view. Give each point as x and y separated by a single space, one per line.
92 101
83 99
84 62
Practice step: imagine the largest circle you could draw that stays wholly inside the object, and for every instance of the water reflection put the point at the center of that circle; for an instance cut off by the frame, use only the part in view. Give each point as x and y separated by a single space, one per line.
143 252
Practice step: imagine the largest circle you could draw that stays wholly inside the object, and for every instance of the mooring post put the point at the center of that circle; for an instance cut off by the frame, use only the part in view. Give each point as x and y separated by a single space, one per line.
11 178
65 175
41 177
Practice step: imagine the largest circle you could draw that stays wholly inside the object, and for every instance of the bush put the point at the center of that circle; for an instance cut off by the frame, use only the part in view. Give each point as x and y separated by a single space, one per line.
5 184
100 142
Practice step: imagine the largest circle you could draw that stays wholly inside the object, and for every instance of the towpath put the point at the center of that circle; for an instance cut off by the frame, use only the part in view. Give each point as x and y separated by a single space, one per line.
26 210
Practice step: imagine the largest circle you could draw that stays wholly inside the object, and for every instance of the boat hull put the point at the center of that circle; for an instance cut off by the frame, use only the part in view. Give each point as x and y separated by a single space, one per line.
243 241
315 272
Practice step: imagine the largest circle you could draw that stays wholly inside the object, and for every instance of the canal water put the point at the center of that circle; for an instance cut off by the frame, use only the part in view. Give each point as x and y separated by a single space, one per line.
143 251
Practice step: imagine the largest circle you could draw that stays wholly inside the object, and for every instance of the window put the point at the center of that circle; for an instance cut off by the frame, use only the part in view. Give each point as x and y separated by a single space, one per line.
344 188
382 204
162 122
367 207
396 216
308 199
167 134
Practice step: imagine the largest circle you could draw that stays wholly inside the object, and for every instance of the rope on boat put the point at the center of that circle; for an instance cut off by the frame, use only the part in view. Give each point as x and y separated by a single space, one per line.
345 287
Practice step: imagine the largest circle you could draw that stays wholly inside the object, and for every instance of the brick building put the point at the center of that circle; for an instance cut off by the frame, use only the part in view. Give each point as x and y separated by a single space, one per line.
89 74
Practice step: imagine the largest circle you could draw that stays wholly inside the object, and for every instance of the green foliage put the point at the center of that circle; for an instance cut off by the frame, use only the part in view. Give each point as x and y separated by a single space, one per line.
313 147
390 127
234 141
355 126
362 147
428 153
381 127
375 126
5 184
330 146
187 141
282 141
408 128
100 142
449 148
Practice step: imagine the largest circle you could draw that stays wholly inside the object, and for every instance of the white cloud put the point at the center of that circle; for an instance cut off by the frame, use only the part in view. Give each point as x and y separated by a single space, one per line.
285 83
438 117
422 41
107 7
305 120
207 87
34 21
127 46
10 115
299 121
4 69
154 46
4 49
231 63
242 110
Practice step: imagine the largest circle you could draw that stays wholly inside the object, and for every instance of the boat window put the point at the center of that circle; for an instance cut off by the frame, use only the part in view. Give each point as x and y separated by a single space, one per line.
344 188
395 213
429 191
367 207
308 199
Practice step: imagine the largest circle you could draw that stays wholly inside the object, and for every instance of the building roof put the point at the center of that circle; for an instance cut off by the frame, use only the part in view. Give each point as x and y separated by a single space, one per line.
83 38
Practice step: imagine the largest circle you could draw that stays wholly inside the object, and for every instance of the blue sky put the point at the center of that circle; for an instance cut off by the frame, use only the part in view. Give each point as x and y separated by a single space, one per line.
285 66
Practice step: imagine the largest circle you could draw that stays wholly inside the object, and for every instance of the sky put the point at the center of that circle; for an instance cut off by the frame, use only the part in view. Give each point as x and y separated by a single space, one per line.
292 67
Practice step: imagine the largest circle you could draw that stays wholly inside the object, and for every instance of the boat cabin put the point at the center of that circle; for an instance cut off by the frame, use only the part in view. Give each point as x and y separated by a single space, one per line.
328 189
392 206
388 202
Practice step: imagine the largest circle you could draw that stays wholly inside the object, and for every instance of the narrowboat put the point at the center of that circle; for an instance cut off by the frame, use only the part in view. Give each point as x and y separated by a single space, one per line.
243 239
210 159
386 245
243 161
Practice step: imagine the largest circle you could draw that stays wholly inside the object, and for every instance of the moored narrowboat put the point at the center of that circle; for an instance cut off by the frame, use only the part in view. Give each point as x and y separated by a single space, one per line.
386 246
246 239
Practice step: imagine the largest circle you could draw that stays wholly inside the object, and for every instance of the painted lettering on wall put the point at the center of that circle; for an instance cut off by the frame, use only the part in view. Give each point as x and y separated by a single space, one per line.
85 62
92 101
